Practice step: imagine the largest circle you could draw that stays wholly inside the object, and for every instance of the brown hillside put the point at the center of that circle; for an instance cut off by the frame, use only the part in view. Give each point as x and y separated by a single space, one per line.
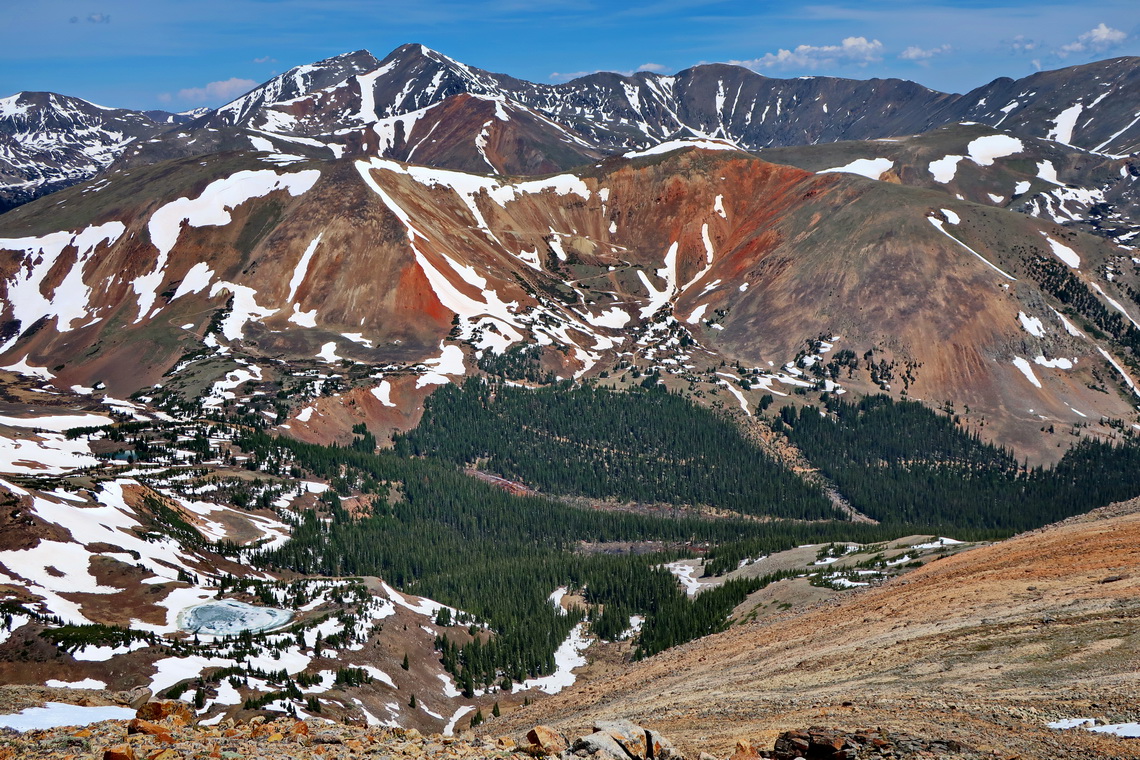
983 647
676 261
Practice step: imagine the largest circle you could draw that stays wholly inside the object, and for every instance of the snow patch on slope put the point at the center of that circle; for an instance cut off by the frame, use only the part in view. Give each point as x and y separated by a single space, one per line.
1064 124
871 168
1032 325
671 145
1027 370
1064 252
938 225
69 299
982 151
567 657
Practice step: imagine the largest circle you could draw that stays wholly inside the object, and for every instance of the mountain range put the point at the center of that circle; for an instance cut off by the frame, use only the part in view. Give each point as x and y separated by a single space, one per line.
299 198
464 373
359 104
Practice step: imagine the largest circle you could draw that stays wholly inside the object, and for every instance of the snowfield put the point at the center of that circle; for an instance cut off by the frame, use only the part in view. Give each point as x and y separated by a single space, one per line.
983 151
671 145
69 301
1026 369
44 454
685 576
55 714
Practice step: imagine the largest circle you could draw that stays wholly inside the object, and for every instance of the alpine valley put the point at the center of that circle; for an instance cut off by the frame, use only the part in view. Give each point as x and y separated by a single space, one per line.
405 394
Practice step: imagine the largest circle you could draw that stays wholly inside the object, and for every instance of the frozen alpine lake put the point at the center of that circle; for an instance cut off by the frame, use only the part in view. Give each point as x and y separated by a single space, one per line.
228 617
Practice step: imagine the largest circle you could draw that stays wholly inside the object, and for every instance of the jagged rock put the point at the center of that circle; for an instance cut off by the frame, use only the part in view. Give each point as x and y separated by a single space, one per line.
140 726
791 744
706 756
155 711
630 736
600 741
744 751
327 737
659 746
119 752
817 743
138 696
824 742
505 742
547 740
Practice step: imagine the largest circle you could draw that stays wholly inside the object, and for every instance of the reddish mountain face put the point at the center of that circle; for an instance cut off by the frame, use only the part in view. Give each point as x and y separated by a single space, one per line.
363 284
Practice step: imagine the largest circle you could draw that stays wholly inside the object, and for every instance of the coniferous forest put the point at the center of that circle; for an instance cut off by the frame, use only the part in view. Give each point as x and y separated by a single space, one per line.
898 461
636 445
435 531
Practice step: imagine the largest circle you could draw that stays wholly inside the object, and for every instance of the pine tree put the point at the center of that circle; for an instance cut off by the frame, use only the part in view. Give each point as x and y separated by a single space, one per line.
405 664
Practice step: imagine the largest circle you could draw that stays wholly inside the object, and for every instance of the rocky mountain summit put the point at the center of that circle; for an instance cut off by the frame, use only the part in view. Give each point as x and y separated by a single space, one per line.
355 103
50 141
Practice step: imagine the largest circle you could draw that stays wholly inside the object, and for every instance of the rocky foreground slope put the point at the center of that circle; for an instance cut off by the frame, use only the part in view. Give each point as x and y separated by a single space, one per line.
173 738
983 647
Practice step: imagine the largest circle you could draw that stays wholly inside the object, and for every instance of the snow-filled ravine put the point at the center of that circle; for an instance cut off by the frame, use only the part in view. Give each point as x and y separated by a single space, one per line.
228 617
58 714
567 657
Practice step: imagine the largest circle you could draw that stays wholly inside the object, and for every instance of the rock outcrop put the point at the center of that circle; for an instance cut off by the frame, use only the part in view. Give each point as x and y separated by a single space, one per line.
819 743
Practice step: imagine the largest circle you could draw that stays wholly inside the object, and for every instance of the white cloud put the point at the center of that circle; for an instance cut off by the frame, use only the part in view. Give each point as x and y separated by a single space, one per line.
1097 39
857 50
915 53
265 59
224 90
655 68
1022 44
567 76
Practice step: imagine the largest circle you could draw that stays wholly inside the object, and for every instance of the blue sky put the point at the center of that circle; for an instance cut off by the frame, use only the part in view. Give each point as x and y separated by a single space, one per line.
178 55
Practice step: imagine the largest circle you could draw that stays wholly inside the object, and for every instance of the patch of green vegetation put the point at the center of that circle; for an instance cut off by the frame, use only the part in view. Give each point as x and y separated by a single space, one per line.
71 638
1062 284
520 362
264 219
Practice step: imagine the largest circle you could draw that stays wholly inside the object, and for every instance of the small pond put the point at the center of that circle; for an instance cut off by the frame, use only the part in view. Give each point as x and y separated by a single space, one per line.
227 617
